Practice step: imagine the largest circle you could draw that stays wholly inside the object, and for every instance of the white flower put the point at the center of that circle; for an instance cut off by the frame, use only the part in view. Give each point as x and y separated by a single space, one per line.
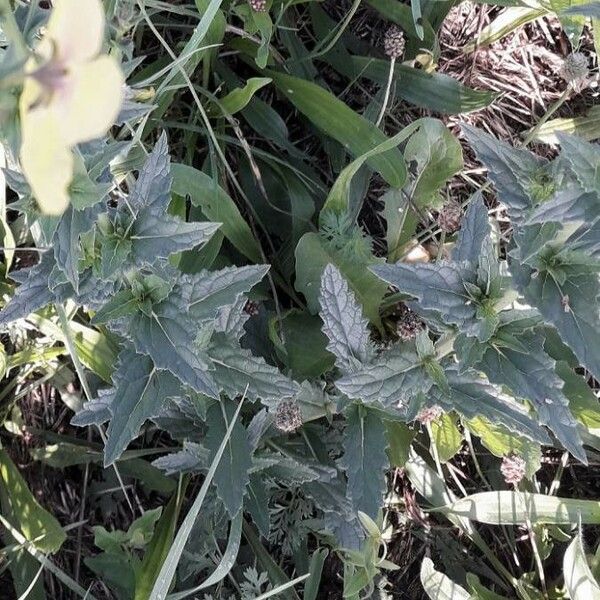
71 94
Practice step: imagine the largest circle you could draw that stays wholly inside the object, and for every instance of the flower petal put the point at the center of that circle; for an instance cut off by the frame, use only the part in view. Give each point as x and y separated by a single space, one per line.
93 102
46 160
77 29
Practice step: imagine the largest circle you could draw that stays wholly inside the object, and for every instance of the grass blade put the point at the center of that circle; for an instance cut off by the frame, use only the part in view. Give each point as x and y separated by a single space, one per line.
167 571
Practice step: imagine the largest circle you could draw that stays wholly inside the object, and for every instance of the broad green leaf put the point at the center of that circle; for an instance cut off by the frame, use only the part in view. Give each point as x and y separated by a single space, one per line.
510 169
446 436
439 586
302 346
33 292
207 292
236 368
140 391
395 212
501 442
334 118
153 186
437 286
583 402
584 159
434 91
192 458
169 566
437 155
585 126
313 254
531 375
315 569
505 23
393 380
579 580
474 229
37 525
399 438
471 396
158 235
516 508
159 545
364 459
338 200
572 23
168 336
257 504
217 206
343 321
578 323
231 477
66 242
239 98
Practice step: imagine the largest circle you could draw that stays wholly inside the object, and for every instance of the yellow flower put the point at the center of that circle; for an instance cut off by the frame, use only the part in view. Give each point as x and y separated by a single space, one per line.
71 94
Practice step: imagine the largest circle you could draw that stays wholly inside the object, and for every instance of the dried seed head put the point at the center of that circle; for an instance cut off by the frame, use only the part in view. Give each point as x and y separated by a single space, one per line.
393 42
251 308
450 217
258 5
575 68
513 469
288 416
429 414
409 324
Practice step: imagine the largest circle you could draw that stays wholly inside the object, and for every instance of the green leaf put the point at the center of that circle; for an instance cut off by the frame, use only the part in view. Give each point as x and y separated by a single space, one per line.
434 91
586 126
437 286
140 391
584 160
66 242
32 294
303 348
192 458
312 585
531 375
472 396
168 336
338 200
579 580
313 254
159 545
394 379
505 23
343 322
399 438
501 442
231 478
37 525
169 566
446 436
577 322
257 504
438 156
510 169
153 186
237 368
474 230
334 118
239 98
439 586
158 235
364 459
208 291
217 206
516 508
